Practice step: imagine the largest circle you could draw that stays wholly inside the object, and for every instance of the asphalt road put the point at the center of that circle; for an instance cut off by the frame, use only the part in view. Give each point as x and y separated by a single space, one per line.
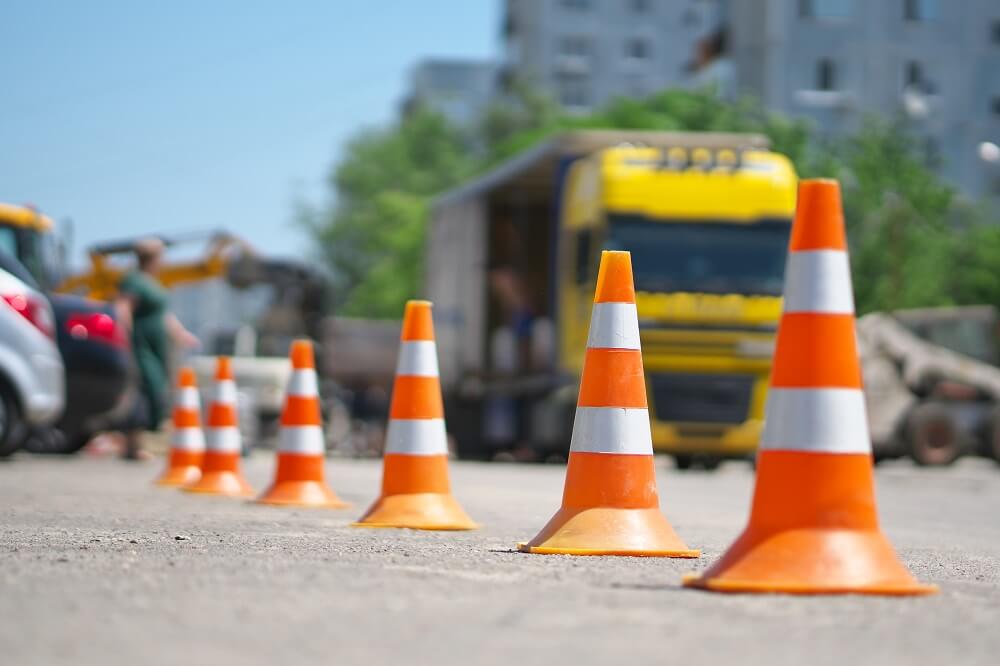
97 566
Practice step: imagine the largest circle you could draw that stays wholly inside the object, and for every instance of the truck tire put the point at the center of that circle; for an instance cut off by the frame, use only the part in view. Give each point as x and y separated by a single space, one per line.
993 437
12 426
932 435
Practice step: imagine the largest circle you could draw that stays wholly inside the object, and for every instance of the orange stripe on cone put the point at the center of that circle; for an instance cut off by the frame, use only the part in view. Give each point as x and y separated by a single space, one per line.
813 526
416 398
299 476
184 462
221 473
610 503
416 491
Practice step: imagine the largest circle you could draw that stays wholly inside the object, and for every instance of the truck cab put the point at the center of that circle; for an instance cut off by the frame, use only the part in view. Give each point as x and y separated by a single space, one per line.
708 230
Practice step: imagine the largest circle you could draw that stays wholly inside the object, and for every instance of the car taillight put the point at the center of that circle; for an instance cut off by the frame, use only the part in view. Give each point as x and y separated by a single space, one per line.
96 326
34 309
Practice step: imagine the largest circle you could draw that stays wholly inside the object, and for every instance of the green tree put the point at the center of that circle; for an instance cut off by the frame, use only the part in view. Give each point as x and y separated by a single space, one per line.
372 237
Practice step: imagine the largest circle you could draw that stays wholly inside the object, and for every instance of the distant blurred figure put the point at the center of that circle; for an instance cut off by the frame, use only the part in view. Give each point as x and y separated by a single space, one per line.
142 307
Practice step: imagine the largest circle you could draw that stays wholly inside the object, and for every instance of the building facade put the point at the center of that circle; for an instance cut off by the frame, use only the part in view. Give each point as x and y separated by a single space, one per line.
935 63
586 52
457 89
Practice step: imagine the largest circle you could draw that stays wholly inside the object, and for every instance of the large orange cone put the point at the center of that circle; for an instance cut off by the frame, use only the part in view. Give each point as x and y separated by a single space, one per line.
813 525
187 441
220 471
298 480
416 492
610 503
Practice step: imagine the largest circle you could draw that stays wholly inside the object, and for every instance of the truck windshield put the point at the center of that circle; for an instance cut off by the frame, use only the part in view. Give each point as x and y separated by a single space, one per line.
703 257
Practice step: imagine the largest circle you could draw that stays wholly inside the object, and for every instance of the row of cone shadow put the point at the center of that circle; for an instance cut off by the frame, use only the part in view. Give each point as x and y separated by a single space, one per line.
813 526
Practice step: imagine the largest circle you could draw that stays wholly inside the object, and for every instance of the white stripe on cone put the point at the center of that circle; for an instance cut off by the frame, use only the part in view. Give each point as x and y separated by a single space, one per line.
302 439
417 358
187 398
416 437
188 439
225 439
820 420
302 382
614 326
612 430
225 392
818 281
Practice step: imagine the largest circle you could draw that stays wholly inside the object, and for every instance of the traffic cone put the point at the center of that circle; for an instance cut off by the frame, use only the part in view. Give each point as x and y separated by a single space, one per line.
416 492
187 441
813 525
298 479
610 504
220 471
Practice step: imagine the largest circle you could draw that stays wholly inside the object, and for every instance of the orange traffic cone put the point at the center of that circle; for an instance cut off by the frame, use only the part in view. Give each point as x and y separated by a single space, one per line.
220 471
416 492
187 442
813 526
610 504
298 480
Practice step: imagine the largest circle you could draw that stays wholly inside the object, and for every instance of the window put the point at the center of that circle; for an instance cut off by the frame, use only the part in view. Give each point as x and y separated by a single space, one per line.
920 10
826 75
576 46
576 5
913 75
995 31
573 91
826 9
996 105
640 6
637 49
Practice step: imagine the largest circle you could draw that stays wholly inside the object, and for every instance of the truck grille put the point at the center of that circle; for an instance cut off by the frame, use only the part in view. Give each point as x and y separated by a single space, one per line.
684 398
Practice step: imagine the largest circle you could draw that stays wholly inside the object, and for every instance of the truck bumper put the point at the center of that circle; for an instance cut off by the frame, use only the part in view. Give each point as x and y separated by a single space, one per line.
707 438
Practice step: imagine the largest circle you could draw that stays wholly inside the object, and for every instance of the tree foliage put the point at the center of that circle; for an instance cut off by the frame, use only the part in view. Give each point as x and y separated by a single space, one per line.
913 242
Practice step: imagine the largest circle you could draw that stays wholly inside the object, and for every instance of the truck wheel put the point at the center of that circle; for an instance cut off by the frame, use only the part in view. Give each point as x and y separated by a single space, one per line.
933 436
12 427
993 441
683 461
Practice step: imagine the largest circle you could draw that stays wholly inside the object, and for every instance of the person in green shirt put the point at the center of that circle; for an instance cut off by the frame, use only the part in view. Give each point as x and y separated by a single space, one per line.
142 306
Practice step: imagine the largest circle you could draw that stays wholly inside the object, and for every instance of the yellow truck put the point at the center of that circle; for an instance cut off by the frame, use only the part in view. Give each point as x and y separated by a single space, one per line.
511 263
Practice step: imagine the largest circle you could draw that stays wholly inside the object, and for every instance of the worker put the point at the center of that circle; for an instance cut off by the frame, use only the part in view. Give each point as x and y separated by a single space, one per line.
142 307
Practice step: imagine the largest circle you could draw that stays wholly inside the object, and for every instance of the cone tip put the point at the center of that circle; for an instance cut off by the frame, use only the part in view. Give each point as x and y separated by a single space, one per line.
186 378
418 324
819 217
223 368
301 355
614 278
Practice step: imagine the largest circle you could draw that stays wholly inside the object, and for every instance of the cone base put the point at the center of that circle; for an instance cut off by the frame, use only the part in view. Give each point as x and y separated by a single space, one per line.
221 483
302 493
811 561
417 511
609 531
179 476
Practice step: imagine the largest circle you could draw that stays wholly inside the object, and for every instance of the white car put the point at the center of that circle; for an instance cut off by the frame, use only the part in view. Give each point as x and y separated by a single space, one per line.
32 378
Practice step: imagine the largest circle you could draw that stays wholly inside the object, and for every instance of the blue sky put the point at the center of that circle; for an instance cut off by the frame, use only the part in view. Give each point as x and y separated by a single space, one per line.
132 117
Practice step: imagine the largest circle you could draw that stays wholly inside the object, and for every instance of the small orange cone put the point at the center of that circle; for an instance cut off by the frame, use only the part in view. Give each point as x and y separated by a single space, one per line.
298 480
187 441
220 471
416 492
610 503
813 524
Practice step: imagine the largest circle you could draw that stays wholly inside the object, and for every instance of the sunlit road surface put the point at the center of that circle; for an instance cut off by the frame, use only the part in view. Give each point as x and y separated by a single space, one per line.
97 566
